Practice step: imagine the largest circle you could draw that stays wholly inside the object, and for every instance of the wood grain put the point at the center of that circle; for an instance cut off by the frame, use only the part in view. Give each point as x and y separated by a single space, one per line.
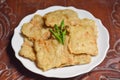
12 11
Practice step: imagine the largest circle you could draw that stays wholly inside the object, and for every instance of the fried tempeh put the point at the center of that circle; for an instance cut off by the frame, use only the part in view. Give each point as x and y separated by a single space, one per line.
47 53
34 30
52 54
70 17
83 38
27 50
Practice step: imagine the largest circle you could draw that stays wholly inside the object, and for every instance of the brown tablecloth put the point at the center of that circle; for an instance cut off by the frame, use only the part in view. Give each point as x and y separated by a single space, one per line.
11 13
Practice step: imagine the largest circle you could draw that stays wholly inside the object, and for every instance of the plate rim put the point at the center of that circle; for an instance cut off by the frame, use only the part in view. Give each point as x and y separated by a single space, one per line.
69 7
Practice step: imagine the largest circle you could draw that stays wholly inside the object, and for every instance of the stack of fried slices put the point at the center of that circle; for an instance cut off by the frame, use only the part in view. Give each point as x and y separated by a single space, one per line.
41 47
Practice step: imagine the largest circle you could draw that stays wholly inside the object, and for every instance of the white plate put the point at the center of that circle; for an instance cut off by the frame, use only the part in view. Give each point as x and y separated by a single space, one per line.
66 72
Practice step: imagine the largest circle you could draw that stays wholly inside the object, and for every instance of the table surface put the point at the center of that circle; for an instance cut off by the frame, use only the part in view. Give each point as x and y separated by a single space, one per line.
11 13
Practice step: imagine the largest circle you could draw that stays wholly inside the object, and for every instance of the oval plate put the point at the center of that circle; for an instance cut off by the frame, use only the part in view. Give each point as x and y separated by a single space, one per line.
65 72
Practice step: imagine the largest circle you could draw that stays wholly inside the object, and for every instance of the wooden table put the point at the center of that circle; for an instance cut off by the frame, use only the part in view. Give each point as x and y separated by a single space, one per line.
11 13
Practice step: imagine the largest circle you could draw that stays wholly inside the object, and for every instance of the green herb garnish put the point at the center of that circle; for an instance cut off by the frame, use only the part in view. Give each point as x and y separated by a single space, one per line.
59 32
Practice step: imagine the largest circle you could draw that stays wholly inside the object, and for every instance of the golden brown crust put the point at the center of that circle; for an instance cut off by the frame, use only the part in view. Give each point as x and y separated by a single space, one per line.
47 53
27 50
83 38
70 17
52 54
